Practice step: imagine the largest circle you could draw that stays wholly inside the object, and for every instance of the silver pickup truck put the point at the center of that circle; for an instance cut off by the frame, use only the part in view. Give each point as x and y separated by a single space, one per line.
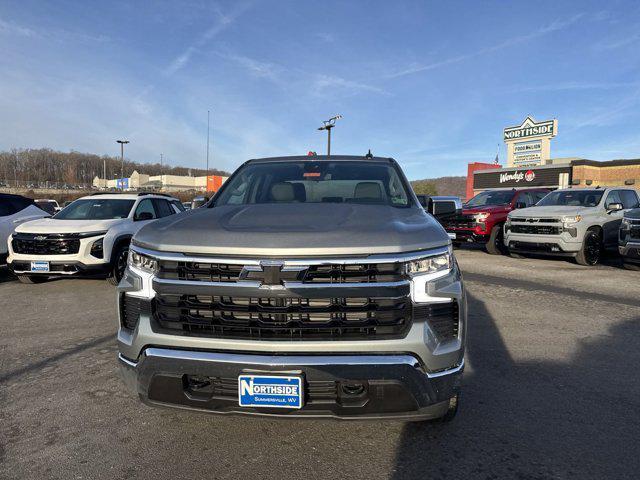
572 222
308 286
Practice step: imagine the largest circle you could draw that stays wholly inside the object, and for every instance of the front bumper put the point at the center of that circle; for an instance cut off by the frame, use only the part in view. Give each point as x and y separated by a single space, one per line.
470 236
630 251
556 245
60 268
388 385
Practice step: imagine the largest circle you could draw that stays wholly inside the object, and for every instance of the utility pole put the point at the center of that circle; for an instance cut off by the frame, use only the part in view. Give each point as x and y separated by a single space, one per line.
104 171
207 143
122 143
160 171
328 125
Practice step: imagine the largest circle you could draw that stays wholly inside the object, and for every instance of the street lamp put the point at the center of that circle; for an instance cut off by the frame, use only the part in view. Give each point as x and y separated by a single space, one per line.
328 125
122 143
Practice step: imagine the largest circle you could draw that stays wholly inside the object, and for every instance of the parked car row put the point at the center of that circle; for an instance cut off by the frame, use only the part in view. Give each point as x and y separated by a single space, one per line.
89 236
575 223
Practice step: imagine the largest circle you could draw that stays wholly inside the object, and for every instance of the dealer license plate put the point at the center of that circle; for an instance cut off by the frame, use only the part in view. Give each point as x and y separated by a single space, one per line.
40 267
273 391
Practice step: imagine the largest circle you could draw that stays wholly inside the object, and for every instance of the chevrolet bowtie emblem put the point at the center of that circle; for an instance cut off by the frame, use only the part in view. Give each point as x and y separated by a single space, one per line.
271 272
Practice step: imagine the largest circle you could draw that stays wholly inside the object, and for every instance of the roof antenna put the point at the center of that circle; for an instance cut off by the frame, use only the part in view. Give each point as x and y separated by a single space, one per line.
369 154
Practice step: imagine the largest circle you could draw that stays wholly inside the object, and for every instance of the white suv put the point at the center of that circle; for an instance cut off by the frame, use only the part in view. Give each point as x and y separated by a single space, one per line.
14 210
89 236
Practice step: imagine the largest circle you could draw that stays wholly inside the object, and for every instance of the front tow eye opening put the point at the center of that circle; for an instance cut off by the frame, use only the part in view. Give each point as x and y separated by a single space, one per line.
353 389
197 387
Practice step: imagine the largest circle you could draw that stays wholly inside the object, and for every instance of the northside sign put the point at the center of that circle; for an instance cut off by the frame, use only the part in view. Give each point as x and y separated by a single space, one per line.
531 128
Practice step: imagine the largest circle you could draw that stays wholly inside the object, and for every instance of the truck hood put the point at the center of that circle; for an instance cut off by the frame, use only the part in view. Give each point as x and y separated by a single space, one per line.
486 208
294 230
633 213
51 225
551 210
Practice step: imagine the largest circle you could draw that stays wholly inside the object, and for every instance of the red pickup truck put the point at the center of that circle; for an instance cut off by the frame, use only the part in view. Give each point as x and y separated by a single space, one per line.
483 216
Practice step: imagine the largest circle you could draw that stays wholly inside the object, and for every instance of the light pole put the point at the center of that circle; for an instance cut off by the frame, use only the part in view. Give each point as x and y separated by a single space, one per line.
207 143
328 125
122 143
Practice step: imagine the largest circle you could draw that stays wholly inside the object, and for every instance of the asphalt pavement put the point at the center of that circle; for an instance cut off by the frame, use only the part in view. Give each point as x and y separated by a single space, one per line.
550 392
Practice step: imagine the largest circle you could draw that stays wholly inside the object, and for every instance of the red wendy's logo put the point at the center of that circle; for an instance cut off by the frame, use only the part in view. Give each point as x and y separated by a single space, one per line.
530 175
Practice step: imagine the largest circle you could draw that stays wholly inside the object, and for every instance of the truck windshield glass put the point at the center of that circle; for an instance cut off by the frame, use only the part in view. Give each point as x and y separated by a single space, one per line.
498 197
316 182
574 198
96 209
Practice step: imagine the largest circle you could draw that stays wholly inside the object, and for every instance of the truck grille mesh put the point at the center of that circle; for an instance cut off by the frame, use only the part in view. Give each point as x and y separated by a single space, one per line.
283 318
536 229
459 221
34 244
331 273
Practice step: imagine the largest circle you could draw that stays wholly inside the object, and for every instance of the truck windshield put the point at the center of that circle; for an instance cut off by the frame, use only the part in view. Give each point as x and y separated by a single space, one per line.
498 197
574 198
96 209
316 182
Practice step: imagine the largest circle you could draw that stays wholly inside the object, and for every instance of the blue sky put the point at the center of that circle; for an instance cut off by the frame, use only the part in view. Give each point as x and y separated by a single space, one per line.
430 83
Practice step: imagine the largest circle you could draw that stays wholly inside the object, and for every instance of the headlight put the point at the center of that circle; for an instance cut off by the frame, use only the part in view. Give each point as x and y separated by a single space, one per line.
480 217
508 222
626 224
97 248
433 264
143 262
568 220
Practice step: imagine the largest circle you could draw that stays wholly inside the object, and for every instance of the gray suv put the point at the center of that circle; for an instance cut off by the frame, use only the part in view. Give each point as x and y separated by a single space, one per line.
576 223
308 286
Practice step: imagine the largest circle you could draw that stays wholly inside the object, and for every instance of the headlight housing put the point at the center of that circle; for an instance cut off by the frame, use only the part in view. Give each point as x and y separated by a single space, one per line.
436 263
626 224
97 248
570 220
142 262
481 217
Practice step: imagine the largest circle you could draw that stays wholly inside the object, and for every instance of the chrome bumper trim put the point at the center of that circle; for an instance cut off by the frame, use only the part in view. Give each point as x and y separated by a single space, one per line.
289 360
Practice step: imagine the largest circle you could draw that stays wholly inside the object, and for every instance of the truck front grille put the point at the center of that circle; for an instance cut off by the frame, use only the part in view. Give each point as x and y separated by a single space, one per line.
535 229
459 221
283 318
323 273
40 244
634 232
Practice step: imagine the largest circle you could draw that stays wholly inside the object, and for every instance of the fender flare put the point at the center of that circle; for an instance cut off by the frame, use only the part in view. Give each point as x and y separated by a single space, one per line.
118 242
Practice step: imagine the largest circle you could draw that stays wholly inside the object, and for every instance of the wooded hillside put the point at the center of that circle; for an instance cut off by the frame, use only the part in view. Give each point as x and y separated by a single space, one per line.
441 186
36 166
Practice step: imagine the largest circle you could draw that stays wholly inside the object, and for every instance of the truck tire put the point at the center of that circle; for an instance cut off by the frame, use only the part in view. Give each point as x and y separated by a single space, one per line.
591 250
631 266
118 264
30 279
495 245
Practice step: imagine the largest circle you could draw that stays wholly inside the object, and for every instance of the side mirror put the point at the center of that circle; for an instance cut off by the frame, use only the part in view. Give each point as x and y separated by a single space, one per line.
614 207
444 208
520 205
143 216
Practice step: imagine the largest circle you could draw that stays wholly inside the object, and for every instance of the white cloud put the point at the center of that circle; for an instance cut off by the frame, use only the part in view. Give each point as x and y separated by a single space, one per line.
220 25
552 27
10 28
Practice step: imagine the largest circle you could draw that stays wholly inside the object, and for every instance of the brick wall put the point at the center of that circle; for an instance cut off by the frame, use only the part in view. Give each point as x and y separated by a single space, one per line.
607 176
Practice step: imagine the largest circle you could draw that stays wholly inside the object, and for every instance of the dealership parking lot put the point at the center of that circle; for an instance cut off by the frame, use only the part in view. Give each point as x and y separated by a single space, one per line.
551 390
